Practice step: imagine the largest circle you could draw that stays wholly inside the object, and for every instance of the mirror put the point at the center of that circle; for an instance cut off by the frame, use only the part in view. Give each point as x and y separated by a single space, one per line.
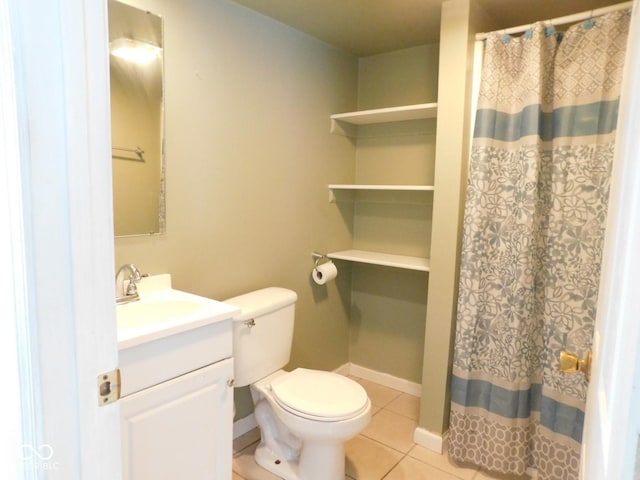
136 46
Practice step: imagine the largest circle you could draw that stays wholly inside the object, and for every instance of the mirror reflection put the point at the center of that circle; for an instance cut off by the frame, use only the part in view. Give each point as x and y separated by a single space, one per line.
135 42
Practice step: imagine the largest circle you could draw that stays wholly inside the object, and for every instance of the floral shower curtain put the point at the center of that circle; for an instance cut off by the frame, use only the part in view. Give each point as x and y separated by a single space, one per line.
532 242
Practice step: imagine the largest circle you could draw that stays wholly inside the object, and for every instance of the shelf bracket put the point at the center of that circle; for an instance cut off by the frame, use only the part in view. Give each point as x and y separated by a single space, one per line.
343 128
336 196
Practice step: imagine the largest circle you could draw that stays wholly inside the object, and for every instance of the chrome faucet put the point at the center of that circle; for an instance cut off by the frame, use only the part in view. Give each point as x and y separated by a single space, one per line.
131 293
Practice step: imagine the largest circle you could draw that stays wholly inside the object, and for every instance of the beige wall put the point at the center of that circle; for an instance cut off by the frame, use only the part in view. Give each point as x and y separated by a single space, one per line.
249 156
461 19
403 77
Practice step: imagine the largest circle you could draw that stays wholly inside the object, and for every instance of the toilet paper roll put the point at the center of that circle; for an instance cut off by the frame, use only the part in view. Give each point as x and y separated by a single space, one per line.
324 273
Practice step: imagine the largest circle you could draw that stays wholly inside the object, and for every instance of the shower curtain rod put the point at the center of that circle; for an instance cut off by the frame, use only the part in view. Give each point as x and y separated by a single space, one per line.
576 17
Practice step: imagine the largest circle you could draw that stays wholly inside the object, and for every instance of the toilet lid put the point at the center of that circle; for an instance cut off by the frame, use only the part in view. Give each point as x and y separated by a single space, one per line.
318 394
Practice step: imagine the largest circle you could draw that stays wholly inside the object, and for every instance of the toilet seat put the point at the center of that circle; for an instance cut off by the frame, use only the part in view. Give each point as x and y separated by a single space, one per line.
318 395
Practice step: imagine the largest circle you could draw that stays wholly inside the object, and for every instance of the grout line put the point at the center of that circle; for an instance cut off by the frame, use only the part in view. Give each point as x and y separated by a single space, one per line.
440 469
387 446
394 466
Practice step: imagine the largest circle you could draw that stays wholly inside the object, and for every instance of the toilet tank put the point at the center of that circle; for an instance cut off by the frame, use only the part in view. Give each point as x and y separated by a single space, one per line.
262 333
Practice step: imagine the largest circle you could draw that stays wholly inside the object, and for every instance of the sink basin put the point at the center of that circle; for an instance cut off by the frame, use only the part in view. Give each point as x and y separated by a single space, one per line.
168 333
151 311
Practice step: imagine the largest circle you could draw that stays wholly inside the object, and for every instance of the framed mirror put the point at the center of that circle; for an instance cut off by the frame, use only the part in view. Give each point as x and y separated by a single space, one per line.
137 114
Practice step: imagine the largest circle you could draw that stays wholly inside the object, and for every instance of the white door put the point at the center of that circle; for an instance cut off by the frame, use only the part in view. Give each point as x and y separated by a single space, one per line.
612 423
59 226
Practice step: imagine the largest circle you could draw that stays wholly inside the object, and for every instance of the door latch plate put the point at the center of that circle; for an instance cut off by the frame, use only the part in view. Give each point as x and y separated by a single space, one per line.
108 387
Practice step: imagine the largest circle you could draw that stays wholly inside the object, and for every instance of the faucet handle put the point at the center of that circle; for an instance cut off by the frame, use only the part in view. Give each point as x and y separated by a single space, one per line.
131 287
134 277
135 273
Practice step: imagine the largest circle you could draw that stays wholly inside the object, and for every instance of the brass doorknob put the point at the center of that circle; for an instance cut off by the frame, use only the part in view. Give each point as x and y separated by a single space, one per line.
571 363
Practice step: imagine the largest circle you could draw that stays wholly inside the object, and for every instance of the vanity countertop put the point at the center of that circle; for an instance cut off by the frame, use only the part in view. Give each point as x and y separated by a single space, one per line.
162 312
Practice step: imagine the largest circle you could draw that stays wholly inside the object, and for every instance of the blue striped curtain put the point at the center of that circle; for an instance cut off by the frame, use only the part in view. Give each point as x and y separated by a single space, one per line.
533 236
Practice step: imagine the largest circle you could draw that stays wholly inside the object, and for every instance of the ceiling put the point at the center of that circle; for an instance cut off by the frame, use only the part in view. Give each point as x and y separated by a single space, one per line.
369 27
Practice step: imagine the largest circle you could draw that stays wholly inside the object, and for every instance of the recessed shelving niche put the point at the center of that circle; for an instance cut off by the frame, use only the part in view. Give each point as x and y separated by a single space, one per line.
347 124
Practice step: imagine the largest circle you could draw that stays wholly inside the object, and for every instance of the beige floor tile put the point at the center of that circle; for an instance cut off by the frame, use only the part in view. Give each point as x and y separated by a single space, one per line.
406 405
442 462
379 395
392 430
245 465
411 469
369 460
245 440
236 477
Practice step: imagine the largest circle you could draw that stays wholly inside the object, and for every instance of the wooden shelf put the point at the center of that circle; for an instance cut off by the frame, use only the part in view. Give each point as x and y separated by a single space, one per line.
404 193
392 114
344 123
384 259
412 188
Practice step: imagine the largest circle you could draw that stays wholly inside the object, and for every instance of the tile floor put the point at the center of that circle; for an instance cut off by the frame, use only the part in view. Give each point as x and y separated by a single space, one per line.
384 450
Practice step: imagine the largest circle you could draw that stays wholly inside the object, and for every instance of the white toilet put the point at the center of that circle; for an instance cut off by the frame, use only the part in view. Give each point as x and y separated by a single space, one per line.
305 416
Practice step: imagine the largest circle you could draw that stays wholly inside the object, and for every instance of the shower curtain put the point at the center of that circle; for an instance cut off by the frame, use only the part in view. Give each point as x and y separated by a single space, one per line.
532 242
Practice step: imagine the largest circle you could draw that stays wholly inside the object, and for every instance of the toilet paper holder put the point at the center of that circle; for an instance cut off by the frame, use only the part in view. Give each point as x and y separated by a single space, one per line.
319 257
323 269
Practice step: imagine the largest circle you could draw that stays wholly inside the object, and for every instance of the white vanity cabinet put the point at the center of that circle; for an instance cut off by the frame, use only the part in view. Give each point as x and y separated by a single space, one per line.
181 428
176 384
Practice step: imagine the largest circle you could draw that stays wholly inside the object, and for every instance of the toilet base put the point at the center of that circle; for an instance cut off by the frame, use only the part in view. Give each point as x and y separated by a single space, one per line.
320 461
298 448
287 469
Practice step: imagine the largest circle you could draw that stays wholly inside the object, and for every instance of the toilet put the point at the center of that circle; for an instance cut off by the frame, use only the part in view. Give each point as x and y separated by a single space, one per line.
305 416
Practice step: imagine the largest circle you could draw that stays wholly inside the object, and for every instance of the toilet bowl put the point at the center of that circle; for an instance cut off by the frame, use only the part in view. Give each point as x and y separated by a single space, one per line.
305 416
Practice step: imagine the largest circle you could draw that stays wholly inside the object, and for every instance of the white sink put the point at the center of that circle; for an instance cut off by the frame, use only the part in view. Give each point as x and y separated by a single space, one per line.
163 311
168 333
154 311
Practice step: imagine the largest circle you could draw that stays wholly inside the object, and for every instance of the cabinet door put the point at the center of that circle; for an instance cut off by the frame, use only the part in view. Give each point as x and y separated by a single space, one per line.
181 428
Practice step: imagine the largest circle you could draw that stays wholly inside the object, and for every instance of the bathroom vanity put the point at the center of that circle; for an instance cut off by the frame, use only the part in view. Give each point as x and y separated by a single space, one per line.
176 371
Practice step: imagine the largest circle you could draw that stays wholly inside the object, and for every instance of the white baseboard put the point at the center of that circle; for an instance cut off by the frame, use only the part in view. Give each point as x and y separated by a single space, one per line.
344 369
244 425
429 440
386 379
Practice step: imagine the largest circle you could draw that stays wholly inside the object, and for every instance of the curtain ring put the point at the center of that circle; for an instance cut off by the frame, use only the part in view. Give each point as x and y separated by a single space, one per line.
589 23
